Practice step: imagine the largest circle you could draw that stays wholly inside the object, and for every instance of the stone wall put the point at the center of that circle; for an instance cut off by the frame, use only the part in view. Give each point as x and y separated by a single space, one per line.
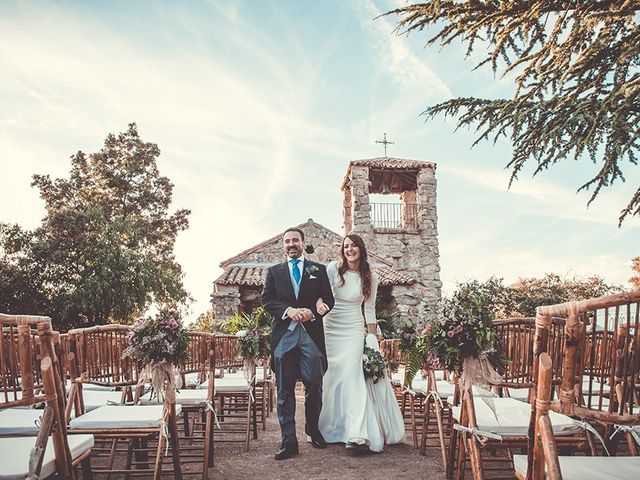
412 250
225 301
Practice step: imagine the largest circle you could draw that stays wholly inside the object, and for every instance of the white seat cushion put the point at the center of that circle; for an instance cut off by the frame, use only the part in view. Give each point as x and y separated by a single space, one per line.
19 421
183 397
398 377
231 384
228 384
511 417
583 468
521 394
14 454
99 398
138 416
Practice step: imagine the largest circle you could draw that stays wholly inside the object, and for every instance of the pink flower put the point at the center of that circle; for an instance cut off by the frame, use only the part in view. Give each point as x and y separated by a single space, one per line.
450 333
427 330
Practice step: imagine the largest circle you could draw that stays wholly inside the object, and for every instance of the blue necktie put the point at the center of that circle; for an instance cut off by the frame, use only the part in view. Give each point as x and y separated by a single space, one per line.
295 270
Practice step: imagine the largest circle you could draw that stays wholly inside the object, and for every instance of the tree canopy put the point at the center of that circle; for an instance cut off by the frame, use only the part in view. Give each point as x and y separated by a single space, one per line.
104 250
577 82
521 298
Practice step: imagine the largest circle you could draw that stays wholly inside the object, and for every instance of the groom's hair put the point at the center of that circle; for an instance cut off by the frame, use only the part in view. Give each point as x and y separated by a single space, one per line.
294 229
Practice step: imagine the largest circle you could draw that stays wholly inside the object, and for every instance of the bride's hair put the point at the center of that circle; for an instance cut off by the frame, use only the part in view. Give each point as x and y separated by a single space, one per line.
365 268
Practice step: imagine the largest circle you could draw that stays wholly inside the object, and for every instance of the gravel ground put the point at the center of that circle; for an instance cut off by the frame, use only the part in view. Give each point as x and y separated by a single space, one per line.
334 462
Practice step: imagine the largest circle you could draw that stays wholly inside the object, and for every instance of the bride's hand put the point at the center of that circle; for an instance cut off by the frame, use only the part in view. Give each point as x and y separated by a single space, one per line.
321 307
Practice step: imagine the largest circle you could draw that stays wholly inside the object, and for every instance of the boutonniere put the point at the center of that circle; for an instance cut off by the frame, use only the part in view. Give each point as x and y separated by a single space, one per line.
310 270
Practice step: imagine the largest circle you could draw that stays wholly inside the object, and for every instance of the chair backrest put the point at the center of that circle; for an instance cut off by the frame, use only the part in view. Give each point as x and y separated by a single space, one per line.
393 357
31 375
199 358
600 352
22 347
227 352
99 355
516 339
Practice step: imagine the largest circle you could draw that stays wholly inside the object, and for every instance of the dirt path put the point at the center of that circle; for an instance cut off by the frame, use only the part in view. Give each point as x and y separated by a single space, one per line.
334 462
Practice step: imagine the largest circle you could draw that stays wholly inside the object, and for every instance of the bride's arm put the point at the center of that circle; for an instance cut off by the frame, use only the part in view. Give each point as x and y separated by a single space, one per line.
370 307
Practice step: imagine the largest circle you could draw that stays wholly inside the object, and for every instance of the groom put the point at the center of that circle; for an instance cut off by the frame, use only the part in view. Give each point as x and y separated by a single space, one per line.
297 338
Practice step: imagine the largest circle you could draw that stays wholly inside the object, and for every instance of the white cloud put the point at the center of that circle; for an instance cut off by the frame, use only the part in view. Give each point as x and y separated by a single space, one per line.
394 55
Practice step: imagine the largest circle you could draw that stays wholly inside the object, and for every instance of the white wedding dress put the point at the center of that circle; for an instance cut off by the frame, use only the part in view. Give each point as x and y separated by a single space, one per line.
355 410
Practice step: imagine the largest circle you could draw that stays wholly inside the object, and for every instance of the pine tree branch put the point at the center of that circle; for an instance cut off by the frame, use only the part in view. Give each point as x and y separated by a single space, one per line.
548 131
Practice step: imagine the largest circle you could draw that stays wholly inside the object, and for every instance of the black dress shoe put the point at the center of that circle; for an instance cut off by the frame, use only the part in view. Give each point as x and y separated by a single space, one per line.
317 440
287 451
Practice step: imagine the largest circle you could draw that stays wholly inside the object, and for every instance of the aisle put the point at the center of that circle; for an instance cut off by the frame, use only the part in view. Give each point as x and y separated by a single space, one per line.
332 463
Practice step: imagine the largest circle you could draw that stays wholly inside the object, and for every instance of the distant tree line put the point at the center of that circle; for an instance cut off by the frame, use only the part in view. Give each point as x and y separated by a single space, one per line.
521 298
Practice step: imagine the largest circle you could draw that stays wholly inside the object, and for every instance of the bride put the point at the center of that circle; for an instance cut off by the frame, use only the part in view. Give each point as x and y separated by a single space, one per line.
354 411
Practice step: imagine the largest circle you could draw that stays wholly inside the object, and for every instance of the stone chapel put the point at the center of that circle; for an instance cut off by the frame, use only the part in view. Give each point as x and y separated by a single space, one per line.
391 204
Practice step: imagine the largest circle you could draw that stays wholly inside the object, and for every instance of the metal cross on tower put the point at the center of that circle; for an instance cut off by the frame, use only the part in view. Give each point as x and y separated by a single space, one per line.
385 143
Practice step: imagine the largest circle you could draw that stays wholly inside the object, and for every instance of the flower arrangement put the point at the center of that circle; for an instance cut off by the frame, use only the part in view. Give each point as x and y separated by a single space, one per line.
459 335
407 338
253 344
159 345
158 339
372 364
463 329
254 337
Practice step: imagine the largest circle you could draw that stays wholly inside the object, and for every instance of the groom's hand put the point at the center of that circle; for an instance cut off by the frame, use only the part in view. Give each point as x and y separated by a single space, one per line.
306 314
295 314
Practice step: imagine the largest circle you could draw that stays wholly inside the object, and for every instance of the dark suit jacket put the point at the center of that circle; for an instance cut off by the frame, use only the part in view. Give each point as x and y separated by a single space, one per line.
278 295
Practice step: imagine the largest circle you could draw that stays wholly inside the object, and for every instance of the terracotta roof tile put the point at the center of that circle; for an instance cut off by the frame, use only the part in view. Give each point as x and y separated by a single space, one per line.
254 275
387 162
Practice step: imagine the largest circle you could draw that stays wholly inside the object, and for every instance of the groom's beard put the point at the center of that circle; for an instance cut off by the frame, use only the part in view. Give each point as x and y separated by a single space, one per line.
294 252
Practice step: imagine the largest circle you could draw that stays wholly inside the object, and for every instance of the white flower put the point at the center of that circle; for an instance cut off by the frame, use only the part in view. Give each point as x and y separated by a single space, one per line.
241 333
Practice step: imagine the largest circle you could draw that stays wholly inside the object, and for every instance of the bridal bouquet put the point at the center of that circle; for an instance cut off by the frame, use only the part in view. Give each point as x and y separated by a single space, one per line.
372 364
159 345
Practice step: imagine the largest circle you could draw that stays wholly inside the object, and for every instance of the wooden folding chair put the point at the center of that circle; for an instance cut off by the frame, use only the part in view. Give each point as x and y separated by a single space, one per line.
198 413
545 462
99 353
30 375
484 423
234 395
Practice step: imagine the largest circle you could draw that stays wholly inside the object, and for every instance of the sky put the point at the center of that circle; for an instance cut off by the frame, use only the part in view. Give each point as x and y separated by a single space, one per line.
258 106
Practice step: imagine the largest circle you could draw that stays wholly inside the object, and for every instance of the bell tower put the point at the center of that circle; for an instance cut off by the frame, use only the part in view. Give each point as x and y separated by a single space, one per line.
391 204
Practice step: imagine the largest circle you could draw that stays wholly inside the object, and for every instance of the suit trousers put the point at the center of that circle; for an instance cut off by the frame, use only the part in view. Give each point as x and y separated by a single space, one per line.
297 356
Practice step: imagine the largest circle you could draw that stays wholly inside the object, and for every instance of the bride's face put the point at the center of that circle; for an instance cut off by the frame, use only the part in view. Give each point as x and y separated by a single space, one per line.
351 251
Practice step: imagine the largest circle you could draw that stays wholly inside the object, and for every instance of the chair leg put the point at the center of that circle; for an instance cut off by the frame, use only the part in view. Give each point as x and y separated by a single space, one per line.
412 412
453 443
443 448
461 457
85 467
425 425
112 456
254 412
249 410
129 458
175 447
162 441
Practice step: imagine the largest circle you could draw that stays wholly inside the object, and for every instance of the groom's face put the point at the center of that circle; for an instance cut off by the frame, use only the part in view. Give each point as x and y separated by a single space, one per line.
292 244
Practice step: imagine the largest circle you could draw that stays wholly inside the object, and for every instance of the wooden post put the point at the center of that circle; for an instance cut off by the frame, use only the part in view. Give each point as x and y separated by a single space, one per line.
548 444
59 435
570 353
542 409
474 451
